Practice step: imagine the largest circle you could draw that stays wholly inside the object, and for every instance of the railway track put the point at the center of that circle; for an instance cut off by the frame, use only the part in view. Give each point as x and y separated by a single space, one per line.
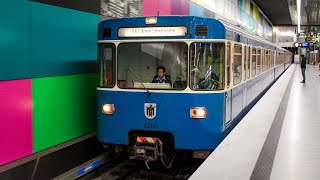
121 168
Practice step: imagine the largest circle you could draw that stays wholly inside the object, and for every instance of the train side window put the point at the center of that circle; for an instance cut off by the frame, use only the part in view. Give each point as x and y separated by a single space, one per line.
237 64
269 59
272 59
248 62
245 63
207 66
263 60
254 62
266 60
228 64
106 65
258 61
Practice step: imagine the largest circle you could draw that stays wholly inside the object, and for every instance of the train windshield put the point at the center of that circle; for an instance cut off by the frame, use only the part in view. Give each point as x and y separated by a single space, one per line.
207 63
153 65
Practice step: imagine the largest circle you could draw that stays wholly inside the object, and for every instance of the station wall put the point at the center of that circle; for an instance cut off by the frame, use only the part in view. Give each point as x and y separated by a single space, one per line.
244 13
48 75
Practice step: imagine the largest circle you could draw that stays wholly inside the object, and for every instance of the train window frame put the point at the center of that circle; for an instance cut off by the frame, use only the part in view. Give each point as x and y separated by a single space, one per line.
264 60
272 59
267 59
245 62
237 53
249 61
102 73
279 58
152 42
269 64
263 53
228 60
223 64
259 59
253 68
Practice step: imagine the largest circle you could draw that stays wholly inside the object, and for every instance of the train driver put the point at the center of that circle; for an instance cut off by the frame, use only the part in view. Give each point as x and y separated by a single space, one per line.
161 77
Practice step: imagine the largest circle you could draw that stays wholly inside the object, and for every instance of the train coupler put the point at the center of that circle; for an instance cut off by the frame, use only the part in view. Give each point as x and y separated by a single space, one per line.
151 149
146 149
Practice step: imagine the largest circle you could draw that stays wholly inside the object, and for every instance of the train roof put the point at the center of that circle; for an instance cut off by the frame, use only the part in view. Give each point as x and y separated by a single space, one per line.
216 29
195 27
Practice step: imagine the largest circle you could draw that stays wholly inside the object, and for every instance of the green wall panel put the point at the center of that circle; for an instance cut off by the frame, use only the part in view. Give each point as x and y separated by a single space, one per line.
64 107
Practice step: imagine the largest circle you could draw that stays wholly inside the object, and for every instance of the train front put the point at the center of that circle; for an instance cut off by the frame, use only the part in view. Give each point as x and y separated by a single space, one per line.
157 96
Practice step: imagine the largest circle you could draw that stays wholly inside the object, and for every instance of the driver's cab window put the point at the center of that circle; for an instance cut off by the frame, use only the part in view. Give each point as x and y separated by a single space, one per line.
207 66
152 65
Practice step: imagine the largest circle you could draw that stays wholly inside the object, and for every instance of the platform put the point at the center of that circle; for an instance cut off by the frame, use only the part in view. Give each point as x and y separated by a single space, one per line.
277 139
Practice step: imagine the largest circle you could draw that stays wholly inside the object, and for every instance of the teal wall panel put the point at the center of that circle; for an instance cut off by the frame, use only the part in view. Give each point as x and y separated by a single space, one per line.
14 39
40 40
63 40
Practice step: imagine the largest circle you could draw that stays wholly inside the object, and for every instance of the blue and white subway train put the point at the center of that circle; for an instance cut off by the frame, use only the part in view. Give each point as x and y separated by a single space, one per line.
217 72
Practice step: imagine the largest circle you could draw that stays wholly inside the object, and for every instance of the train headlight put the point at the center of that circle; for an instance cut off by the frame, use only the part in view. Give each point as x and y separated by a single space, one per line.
151 20
198 112
108 108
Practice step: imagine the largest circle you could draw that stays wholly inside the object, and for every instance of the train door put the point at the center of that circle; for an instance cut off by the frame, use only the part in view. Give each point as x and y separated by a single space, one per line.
228 82
237 62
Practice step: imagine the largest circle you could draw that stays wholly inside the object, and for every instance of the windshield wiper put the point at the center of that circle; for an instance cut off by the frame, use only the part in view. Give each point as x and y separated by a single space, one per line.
140 81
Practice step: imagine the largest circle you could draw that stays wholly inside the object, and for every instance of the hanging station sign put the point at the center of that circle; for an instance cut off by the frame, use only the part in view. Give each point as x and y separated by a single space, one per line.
303 45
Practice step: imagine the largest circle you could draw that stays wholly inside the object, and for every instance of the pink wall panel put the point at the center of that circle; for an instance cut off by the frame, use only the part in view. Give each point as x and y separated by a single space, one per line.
151 7
180 7
15 120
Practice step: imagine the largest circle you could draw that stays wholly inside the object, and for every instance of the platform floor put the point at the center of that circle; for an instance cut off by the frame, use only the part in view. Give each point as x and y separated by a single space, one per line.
298 152
283 143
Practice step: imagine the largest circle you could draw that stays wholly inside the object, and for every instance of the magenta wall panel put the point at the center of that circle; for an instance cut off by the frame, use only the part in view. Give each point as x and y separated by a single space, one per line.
15 120
180 7
152 7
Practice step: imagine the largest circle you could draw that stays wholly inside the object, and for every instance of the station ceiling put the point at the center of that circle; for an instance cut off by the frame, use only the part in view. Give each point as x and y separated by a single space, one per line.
284 12
277 11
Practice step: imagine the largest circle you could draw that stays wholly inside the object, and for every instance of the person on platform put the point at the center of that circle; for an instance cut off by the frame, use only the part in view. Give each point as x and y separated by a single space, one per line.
303 66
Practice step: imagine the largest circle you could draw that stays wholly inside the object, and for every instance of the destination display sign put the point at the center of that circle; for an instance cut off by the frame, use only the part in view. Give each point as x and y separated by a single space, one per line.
153 32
